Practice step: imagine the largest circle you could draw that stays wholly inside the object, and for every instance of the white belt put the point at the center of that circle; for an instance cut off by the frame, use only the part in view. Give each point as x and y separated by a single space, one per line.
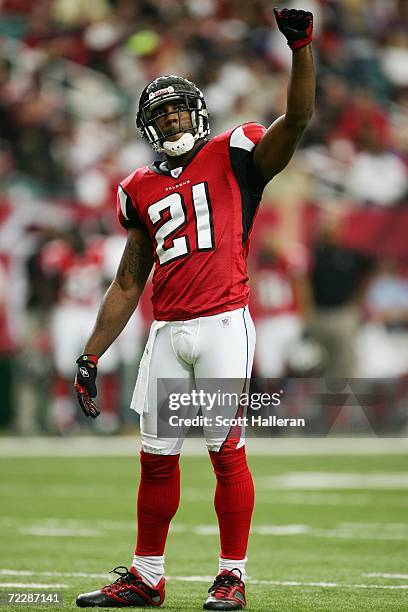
139 401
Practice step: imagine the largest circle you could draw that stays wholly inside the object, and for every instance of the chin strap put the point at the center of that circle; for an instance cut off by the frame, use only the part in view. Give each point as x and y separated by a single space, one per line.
179 147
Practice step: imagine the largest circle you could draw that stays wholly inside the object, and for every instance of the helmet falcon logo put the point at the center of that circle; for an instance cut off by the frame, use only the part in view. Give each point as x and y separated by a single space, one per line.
167 89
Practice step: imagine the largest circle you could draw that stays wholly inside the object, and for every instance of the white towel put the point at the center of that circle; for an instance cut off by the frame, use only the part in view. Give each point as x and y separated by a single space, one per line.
139 401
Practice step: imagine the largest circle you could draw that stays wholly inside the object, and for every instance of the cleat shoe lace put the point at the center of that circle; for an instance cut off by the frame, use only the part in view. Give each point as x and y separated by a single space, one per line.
225 585
128 589
125 578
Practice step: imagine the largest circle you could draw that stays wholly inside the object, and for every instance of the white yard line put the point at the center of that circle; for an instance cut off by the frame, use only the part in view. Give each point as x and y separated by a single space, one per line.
74 528
382 575
60 532
7 522
267 492
31 585
365 531
206 579
310 498
27 490
303 483
9 572
89 446
331 585
335 480
304 498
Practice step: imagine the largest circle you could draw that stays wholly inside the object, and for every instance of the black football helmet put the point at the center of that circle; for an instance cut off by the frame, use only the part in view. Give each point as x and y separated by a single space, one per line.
168 89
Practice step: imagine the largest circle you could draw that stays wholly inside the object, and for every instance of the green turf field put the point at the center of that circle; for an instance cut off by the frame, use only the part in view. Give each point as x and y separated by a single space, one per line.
329 532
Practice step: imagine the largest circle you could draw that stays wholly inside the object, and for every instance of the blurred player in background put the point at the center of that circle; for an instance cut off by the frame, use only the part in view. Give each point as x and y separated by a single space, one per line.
191 215
279 298
80 272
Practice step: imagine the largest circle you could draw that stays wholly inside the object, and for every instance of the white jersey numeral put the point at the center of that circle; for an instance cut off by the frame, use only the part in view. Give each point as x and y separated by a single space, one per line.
202 211
174 204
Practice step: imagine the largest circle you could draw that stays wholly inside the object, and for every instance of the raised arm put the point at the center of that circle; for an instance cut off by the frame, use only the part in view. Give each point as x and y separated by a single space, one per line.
275 149
116 309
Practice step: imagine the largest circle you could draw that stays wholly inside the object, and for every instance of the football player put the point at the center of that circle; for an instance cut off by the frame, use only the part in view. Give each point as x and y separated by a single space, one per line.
278 302
191 216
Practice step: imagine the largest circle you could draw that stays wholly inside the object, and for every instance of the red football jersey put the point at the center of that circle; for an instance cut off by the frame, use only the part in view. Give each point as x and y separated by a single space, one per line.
275 286
199 218
273 291
80 275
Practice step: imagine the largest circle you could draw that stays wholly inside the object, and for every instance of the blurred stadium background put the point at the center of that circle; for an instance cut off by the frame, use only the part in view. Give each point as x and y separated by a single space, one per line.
329 276
329 258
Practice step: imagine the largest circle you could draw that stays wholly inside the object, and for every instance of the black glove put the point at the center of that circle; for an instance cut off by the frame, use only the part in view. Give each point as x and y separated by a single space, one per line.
296 26
85 386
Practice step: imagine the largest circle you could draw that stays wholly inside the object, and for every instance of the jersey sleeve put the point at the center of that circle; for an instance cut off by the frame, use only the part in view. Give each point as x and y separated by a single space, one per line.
243 141
127 212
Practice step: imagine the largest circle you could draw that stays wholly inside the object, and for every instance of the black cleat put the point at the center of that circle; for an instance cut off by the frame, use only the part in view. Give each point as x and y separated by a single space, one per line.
127 590
227 592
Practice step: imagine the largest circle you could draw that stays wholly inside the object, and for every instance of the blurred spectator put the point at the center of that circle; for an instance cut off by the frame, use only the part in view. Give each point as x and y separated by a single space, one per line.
377 175
383 339
387 296
71 72
337 281
363 121
332 98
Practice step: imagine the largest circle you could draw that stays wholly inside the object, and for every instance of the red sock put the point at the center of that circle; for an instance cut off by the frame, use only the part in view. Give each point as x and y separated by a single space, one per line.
157 502
234 500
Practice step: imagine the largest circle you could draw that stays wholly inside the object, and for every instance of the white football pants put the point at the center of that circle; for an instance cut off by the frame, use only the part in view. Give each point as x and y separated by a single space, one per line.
220 346
277 337
70 326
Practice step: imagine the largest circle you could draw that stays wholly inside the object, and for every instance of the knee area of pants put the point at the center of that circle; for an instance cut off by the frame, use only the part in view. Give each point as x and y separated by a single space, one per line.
159 467
230 465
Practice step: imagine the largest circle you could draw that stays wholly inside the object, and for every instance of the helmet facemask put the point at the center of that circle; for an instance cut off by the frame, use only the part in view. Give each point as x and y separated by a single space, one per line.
180 90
